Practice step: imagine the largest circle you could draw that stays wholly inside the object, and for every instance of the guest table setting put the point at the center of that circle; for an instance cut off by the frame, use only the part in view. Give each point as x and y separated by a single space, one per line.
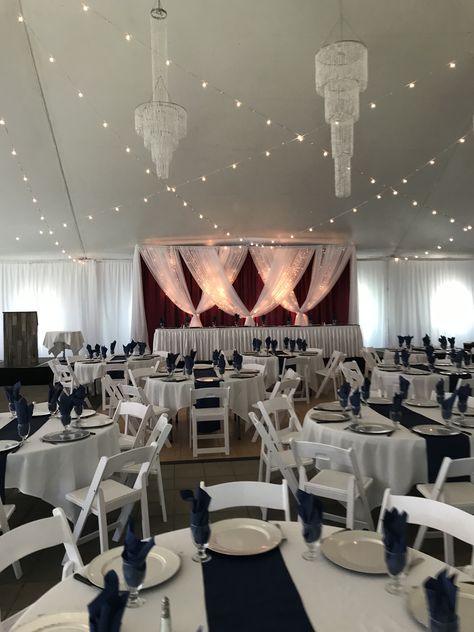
89 370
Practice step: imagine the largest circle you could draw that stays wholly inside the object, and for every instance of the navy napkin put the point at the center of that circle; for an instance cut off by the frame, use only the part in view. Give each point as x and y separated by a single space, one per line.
396 358
463 393
199 514
132 346
286 340
268 342
404 386
439 387
401 340
103 351
66 404
292 345
274 345
237 361
141 348
78 396
426 340
405 357
355 401
54 391
343 393
451 342
299 343
429 349
304 345
188 364
408 340
126 349
106 610
397 403
447 407
90 351
221 364
443 342
112 347
458 358
192 353
135 551
24 411
215 357
365 389
441 593
13 394
394 539
97 350
310 510
452 355
171 361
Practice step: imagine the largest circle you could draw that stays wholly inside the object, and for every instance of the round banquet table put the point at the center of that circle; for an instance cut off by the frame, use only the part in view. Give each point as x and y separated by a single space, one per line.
305 364
49 471
244 392
322 586
88 371
270 362
397 461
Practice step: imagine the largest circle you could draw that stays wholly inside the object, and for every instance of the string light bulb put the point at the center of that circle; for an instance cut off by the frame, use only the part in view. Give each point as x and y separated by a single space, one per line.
451 239
373 180
127 149
40 232
431 162
234 166
90 217
269 121
310 229
411 84
394 192
354 210
148 171
331 221
203 178
51 59
414 203
168 62
434 212
267 153
325 153
427 252
80 94
373 105
145 199
201 216
64 225
452 220
452 64
300 138
56 243
17 238
85 7
20 18
25 179
204 84
185 203
105 124
13 152
378 196
462 139
215 226
2 121
117 208
404 180
128 37
238 104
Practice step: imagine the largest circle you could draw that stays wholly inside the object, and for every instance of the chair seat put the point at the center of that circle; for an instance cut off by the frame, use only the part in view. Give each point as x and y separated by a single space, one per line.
333 479
289 460
9 509
112 490
286 435
459 494
126 442
160 410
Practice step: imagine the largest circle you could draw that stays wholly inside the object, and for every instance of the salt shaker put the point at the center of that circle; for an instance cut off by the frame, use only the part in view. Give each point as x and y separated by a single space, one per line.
165 619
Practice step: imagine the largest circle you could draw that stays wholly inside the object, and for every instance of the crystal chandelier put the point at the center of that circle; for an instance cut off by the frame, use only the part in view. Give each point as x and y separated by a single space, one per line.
161 123
341 74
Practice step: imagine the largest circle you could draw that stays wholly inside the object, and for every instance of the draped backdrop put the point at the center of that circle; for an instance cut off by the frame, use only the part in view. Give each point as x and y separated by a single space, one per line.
211 284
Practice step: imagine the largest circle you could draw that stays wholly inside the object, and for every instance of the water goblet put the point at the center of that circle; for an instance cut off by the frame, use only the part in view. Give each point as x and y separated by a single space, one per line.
447 415
201 555
462 407
313 551
66 422
396 417
134 579
78 409
396 563
12 409
23 431
201 535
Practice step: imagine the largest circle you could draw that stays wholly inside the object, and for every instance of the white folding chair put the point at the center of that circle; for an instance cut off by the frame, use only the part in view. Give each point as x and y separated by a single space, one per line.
137 394
285 387
249 494
6 512
290 364
110 395
272 410
253 366
69 381
158 435
219 413
36 536
371 359
136 419
432 514
106 494
54 365
138 376
352 373
338 477
330 372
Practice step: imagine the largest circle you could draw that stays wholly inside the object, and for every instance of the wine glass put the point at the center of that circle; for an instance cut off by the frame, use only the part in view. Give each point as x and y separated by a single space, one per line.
313 551
12 410
396 563
462 407
396 417
201 535
78 409
23 431
66 422
447 415
134 579
201 555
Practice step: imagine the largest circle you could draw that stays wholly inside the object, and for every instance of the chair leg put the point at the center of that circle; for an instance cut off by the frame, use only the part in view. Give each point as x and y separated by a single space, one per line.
161 492
448 549
17 570
122 521
145 515
103 532
350 512
226 434
420 536
195 439
260 469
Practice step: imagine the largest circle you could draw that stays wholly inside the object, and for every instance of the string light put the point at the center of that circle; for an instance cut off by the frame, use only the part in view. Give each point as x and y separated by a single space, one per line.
17 238
128 37
216 226
411 84
300 138
238 104
80 94
201 216
185 203
117 208
145 199
13 152
64 225
325 153
25 179
2 121
203 178
234 166
432 162
452 64
462 140
269 121
90 217
20 18
373 180
433 212
378 196
51 59
204 84
267 153
404 180
148 171
414 203
85 7
452 220
354 210
394 192
40 232
105 124
373 105
127 149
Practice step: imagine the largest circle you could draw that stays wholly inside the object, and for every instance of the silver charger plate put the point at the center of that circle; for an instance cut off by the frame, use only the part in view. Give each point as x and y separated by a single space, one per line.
421 403
359 551
370 428
435 430
469 412
322 416
388 369
379 400
416 372
93 423
65 437
87 412
8 444
60 621
417 607
464 423
241 377
329 406
207 378
244 536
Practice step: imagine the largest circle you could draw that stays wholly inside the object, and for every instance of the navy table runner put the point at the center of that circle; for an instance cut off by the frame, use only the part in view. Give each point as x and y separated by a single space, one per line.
453 377
254 593
10 433
456 447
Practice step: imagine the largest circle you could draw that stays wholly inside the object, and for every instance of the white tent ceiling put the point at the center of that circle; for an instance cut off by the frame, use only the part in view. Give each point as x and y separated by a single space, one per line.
261 52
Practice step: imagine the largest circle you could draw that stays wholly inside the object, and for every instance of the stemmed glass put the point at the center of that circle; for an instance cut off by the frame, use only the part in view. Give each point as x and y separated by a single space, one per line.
66 422
200 538
462 407
447 414
23 431
53 408
134 579
396 417
396 563
313 552
12 410
78 409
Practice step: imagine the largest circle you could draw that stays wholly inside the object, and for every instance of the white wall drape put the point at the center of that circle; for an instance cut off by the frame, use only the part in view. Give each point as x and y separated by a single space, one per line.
209 273
94 297
371 282
139 330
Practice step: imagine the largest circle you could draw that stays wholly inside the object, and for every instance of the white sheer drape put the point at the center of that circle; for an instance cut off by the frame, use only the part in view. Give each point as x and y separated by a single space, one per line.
232 259
280 269
93 297
139 330
165 265
371 283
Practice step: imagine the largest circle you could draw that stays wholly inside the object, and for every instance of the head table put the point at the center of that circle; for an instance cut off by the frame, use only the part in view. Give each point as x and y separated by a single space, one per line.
334 598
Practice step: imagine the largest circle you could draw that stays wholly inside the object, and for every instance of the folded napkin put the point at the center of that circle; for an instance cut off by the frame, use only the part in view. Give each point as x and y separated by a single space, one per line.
162 322
396 358
221 364
394 539
451 342
458 358
171 361
13 394
408 340
141 348
268 342
405 357
439 387
292 345
90 351
426 340
463 393
299 343
429 349
365 389
452 355
78 396
106 610
304 345
443 342
66 404
343 393
441 593
192 353
310 510
97 350
447 407
24 411
401 340
126 350
397 403
112 347
103 351
274 345
215 357
132 346
404 386
467 358
134 556
188 364
237 361
256 344
355 401
286 340
199 514
54 391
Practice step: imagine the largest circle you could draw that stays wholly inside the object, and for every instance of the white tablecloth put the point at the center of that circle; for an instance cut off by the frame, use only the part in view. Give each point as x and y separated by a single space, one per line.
50 471
335 599
397 461
176 395
56 341
270 362
421 386
87 372
345 338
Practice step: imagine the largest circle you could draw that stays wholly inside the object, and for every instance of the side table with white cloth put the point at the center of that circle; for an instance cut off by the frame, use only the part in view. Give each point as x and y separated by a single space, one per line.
58 341
87 371
49 471
334 599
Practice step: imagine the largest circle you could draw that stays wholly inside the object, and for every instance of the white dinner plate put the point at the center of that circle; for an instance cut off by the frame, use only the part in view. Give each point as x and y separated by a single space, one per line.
93 423
39 410
8 444
421 403
417 607
360 551
329 406
161 564
322 416
435 430
244 536
64 621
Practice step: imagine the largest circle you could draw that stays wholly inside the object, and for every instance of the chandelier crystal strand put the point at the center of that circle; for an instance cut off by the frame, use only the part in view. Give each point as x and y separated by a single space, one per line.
341 75
161 123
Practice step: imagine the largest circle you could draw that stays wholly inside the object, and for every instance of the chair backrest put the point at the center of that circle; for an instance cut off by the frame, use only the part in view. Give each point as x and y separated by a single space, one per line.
327 457
451 468
249 494
273 452
315 350
36 536
136 410
432 514
332 365
371 358
130 393
137 375
160 432
110 389
108 466
221 392
54 365
352 373
372 352
288 387
277 405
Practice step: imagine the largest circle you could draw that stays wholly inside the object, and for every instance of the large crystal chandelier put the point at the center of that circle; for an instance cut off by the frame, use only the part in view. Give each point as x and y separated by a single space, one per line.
161 123
341 74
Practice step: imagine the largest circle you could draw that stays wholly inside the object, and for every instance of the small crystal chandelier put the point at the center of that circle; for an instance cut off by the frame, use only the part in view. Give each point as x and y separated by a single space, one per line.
161 123
341 74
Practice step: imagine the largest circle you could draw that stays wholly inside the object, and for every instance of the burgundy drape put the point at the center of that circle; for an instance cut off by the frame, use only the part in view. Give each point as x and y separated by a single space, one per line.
248 286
